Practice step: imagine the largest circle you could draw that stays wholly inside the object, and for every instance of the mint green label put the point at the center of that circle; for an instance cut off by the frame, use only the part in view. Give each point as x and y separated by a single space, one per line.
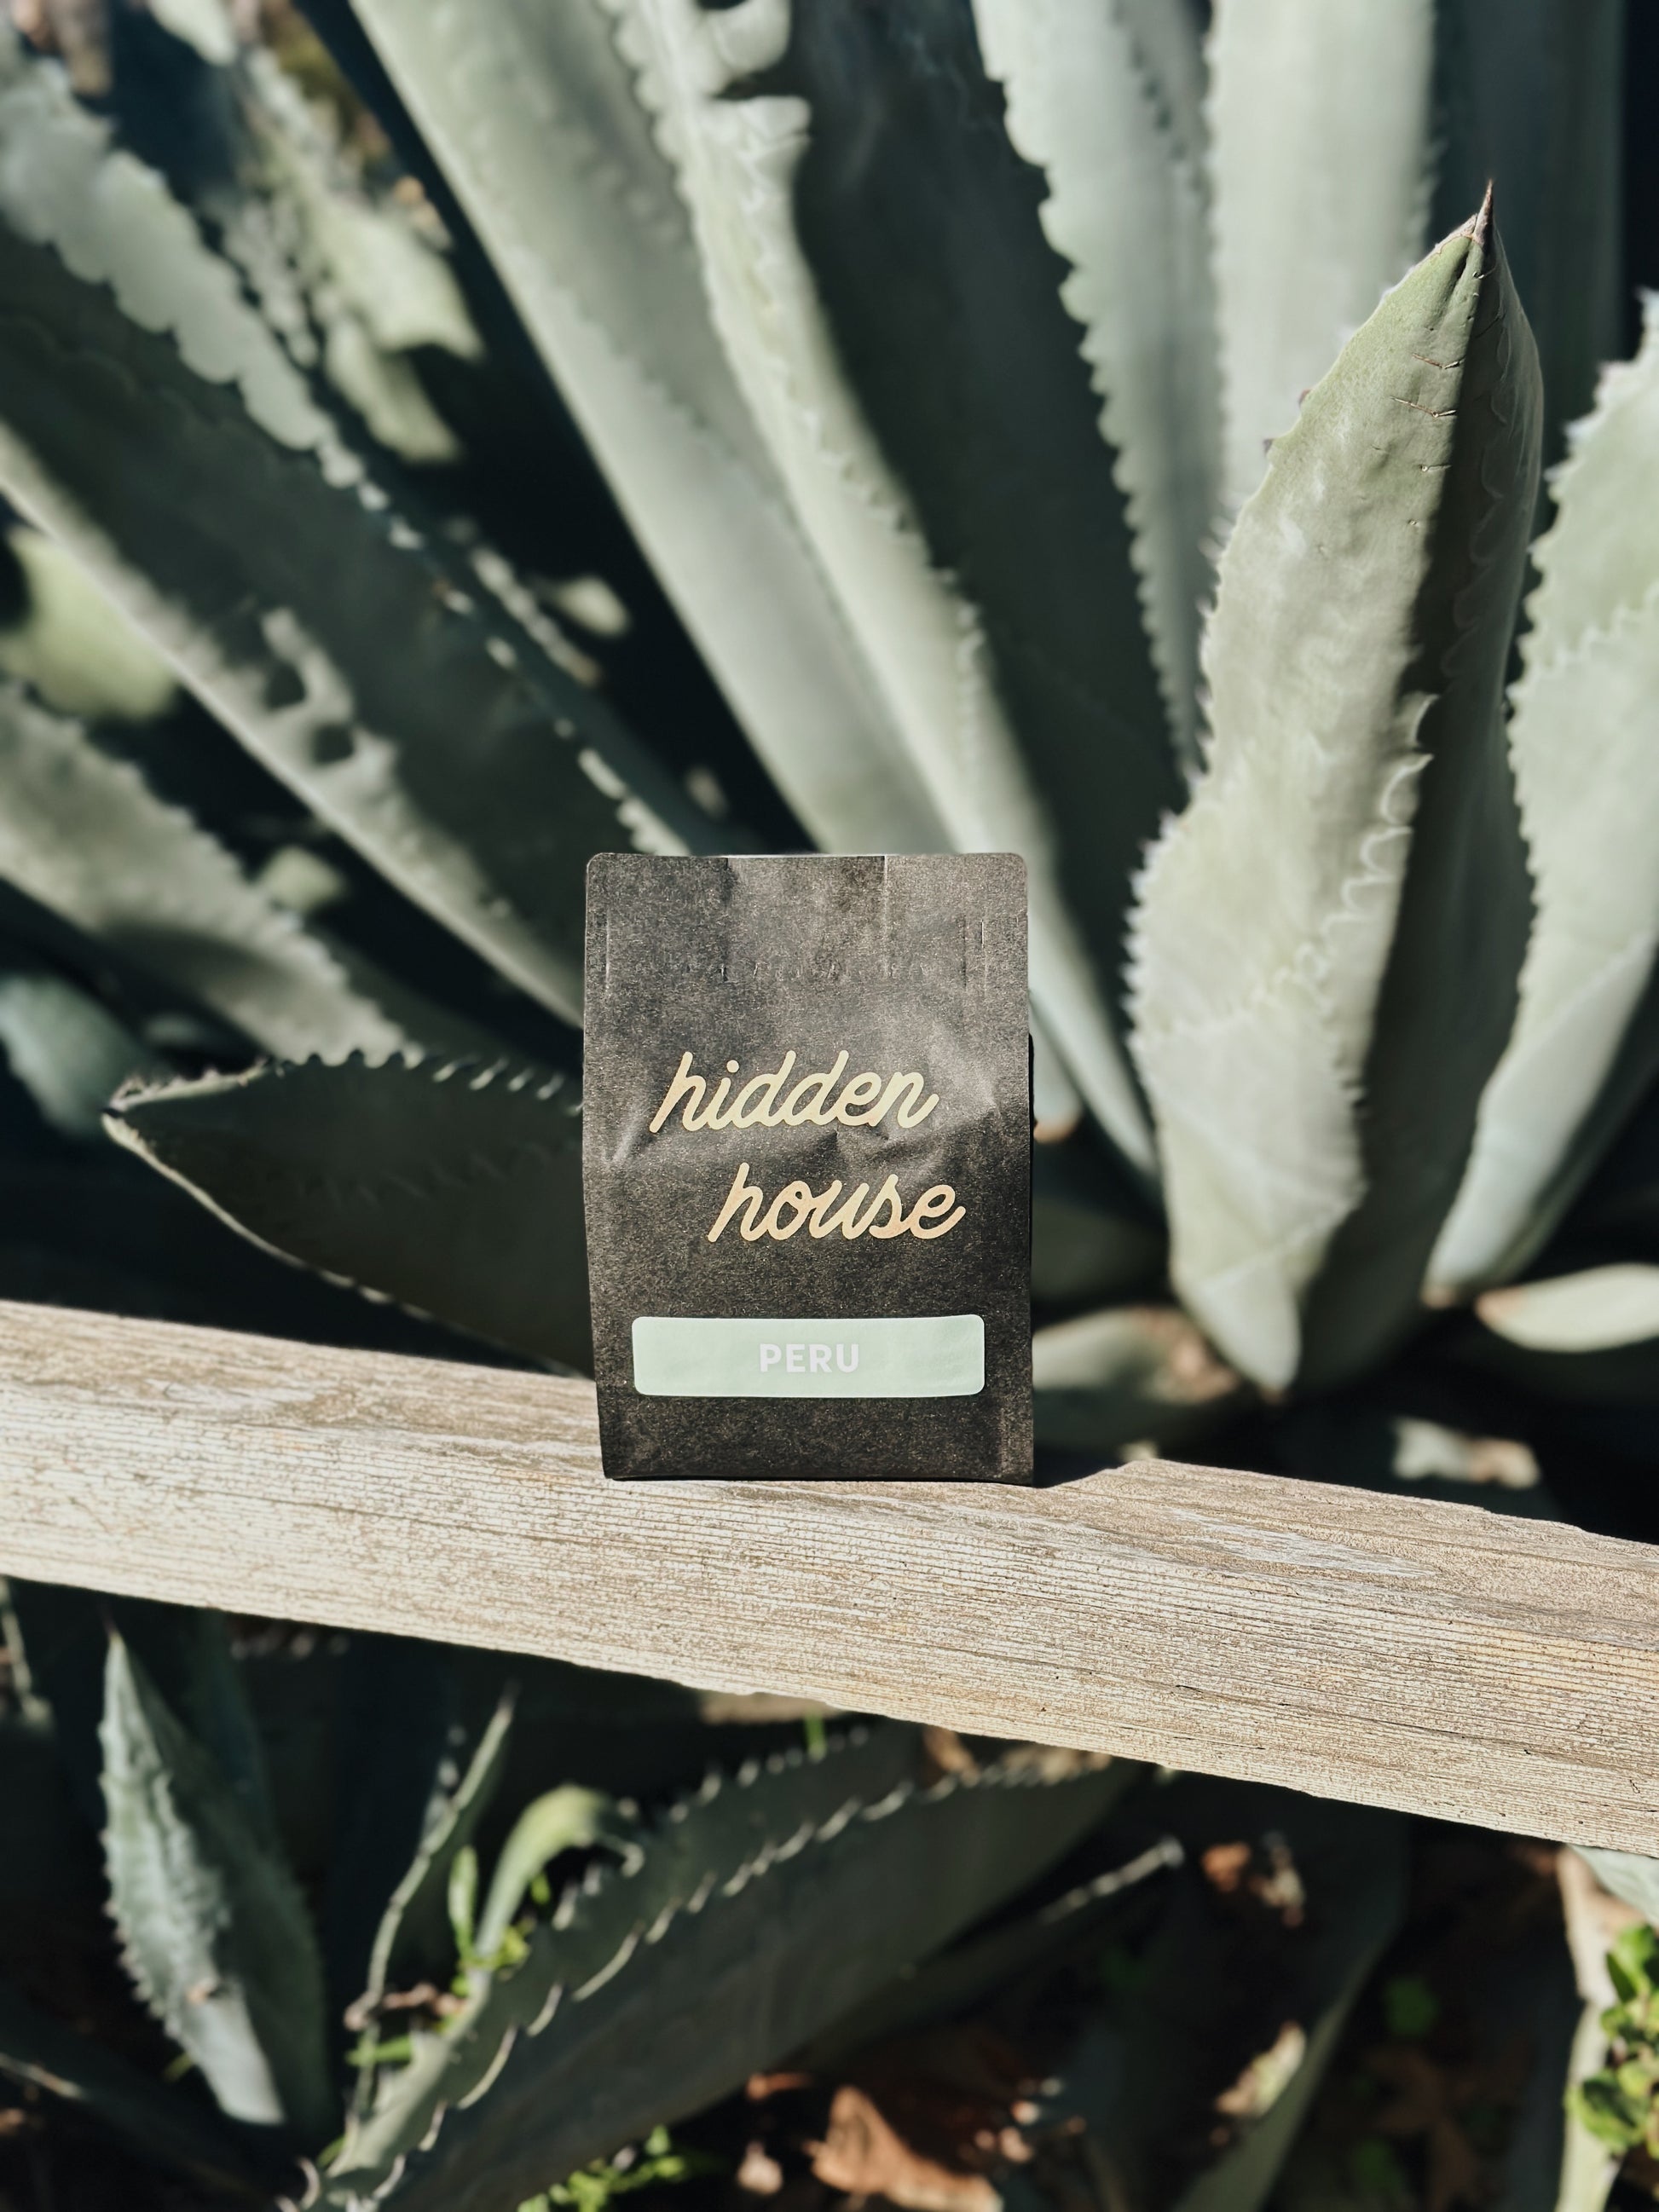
940 1356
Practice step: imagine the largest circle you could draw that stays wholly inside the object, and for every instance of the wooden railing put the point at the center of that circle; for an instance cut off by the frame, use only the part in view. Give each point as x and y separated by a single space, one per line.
1435 1657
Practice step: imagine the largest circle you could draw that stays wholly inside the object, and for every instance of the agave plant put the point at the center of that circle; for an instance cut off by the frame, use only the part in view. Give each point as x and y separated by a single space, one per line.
658 424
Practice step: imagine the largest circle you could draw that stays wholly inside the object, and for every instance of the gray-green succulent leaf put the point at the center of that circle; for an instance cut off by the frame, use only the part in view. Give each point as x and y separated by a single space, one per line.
1089 104
70 646
567 1819
454 1189
406 1938
1008 684
1132 1378
47 2059
1320 160
1584 738
752 1916
213 1927
1530 95
70 1053
581 210
82 832
1595 1310
152 421
1329 937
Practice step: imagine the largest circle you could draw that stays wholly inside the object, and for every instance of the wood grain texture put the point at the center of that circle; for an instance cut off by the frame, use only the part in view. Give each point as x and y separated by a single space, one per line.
1438 1658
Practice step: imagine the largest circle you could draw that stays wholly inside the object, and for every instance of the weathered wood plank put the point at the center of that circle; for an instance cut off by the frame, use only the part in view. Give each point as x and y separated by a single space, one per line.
1436 1657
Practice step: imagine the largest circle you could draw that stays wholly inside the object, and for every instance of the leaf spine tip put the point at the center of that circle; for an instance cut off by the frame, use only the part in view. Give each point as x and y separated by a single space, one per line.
1481 224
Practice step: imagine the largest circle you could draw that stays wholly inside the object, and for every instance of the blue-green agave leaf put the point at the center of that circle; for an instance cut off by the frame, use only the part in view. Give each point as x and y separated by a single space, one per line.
1022 688
531 113
1329 937
1322 132
567 1819
84 834
967 1972
1129 2078
1592 1311
43 2055
453 1188
1533 100
1099 101
757 1911
416 1908
1129 1381
213 1928
1627 1875
1584 738
344 274
68 1052
150 419
71 646
1093 1238
63 1648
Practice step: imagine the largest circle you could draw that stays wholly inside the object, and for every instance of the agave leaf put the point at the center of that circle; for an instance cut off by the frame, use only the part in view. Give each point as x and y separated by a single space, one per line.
1093 107
213 1928
1092 1237
405 1936
566 1819
531 108
84 835
949 663
72 647
1534 98
1592 1384
946 1986
1321 156
1620 1199
1627 1875
1589 1312
453 1189
184 1652
1342 912
43 2055
1341 1440
1056 1109
152 422
756 1912
99 1233
461 1899
955 326
1130 2080
400 1732
1584 738
69 1054
705 1840
1169 46
1131 1375
320 251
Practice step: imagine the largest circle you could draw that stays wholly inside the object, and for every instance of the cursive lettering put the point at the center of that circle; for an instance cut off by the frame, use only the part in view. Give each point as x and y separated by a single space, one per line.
862 1102
746 1203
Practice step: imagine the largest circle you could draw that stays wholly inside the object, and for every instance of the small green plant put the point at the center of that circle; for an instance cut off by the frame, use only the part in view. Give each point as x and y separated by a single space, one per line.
1619 2103
592 2187
1410 2006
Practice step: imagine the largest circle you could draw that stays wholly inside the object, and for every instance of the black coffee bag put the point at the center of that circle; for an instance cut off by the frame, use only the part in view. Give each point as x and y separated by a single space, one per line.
806 1159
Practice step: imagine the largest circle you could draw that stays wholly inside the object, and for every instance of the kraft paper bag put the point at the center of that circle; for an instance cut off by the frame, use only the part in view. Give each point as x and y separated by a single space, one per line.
806 1162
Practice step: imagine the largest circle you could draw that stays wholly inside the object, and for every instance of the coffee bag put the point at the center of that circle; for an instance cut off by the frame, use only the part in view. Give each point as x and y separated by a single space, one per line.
807 1162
